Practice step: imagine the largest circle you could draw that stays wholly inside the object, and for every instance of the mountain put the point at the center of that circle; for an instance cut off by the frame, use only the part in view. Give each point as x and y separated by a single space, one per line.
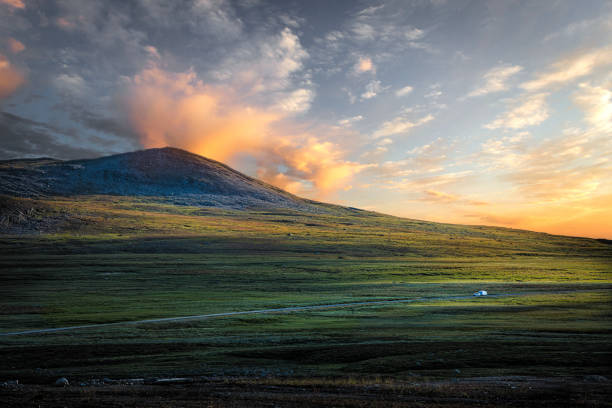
175 201
168 173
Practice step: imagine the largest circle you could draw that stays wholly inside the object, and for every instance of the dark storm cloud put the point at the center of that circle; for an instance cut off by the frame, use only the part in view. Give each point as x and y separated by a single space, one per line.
27 138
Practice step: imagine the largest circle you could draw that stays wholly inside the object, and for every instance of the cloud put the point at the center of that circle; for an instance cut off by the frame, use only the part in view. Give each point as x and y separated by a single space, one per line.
422 46
427 182
572 166
400 124
378 151
291 21
265 64
506 150
333 37
96 29
422 161
436 196
386 25
413 34
10 78
268 70
596 102
570 69
496 80
372 89
177 109
364 64
27 138
361 28
531 110
403 91
215 18
71 84
153 53
363 31
562 184
435 92
601 25
15 46
65 24
18 4
297 101
503 219
350 121
314 161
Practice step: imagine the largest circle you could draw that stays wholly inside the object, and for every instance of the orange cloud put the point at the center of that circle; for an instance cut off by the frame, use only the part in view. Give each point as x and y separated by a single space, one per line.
308 159
364 64
442 197
177 109
15 46
65 23
10 78
14 3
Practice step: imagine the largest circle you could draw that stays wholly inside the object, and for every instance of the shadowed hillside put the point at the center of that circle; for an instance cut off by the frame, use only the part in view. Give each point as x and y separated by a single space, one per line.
170 173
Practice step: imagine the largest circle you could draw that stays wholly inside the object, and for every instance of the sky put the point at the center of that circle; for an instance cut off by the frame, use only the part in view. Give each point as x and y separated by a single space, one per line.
472 112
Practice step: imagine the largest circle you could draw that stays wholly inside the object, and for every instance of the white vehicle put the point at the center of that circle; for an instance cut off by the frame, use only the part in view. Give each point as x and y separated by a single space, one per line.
481 293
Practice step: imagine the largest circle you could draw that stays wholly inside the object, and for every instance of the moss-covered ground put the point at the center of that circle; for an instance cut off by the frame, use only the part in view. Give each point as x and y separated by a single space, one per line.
111 259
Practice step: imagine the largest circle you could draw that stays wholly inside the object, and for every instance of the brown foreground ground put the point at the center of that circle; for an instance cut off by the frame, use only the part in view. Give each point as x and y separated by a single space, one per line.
240 392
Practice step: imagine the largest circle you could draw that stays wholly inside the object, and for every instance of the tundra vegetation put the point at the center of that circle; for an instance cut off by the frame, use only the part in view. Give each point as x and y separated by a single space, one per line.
107 258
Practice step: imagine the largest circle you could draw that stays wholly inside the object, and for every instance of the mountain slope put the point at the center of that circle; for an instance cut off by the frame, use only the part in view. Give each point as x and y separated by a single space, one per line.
182 177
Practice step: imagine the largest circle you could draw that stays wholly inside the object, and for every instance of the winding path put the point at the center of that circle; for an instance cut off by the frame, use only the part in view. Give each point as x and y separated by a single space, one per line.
281 310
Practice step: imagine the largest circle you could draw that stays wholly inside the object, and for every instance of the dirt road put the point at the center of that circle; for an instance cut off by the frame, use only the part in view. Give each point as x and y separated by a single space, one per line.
279 310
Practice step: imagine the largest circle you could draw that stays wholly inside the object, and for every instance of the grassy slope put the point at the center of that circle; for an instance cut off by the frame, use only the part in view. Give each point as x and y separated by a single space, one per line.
107 259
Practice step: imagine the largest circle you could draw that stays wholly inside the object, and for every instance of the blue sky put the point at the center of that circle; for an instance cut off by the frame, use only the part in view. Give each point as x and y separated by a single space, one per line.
479 112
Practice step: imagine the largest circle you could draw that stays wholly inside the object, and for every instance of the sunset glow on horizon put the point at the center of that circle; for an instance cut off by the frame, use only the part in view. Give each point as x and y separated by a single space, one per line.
470 112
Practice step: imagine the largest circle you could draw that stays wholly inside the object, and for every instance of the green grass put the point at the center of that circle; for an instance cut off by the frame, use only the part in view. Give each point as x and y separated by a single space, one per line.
110 259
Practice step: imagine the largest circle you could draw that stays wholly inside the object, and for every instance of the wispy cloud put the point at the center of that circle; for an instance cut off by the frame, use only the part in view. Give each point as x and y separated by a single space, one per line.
572 166
413 34
428 182
385 25
435 91
403 91
422 160
570 69
436 196
372 89
297 101
531 110
350 121
400 124
496 80
600 25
